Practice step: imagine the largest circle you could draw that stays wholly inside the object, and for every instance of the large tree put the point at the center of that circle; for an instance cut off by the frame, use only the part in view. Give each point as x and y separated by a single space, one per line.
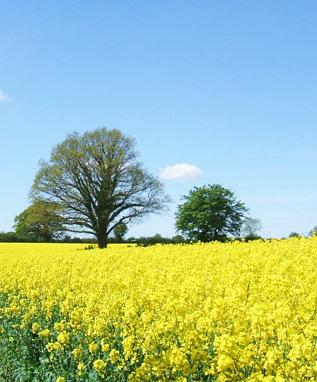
41 221
210 213
99 183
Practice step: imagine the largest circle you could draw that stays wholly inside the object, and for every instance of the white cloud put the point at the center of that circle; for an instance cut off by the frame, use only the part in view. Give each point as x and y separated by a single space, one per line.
4 97
181 171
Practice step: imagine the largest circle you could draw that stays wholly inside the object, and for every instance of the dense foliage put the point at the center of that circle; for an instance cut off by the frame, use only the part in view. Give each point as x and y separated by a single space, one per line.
210 213
203 312
41 221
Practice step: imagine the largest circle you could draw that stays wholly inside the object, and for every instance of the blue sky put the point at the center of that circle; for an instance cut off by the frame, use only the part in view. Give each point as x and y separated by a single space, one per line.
227 86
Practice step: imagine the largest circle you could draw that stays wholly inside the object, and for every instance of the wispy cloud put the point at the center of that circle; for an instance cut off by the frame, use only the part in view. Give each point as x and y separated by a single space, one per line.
181 171
4 97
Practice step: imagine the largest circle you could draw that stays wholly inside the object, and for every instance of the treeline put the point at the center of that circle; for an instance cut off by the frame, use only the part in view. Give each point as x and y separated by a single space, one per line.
143 241
13 237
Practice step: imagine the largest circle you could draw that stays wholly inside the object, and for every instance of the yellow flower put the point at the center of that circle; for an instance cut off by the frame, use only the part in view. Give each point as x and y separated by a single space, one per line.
77 353
45 333
51 346
99 366
63 338
36 327
114 356
224 362
105 347
60 379
80 369
59 326
93 347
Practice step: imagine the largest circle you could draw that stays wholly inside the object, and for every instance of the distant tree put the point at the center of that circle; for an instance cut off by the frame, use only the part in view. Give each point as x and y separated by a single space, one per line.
152 240
99 182
251 227
156 239
41 221
177 239
313 232
120 231
294 234
210 213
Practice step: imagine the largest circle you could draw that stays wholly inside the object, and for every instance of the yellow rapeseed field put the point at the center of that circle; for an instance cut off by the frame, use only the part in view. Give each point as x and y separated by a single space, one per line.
203 312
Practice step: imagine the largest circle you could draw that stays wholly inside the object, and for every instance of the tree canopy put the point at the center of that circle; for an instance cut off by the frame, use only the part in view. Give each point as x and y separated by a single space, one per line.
120 231
99 182
210 213
41 221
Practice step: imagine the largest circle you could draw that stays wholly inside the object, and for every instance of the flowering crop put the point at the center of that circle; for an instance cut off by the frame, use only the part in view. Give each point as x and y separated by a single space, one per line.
203 312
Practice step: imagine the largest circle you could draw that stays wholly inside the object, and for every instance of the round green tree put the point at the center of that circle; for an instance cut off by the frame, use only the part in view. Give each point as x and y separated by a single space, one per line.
120 231
41 221
210 213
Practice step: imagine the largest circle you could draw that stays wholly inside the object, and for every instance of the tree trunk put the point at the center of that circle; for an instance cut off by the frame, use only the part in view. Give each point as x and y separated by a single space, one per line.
102 241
